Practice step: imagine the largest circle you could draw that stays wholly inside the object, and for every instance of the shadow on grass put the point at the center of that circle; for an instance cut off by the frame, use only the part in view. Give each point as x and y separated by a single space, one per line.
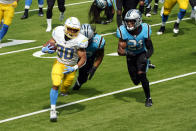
88 92
125 96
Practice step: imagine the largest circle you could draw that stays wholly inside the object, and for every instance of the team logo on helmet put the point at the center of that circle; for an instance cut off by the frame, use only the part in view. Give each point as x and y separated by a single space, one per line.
72 27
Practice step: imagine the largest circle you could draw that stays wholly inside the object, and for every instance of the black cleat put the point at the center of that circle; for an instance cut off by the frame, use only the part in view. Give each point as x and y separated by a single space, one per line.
148 12
25 16
151 66
148 102
176 28
155 10
41 13
76 87
161 30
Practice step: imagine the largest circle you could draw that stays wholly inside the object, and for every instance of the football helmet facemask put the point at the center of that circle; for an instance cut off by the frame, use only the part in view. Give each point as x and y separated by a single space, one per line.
72 27
87 30
101 3
135 16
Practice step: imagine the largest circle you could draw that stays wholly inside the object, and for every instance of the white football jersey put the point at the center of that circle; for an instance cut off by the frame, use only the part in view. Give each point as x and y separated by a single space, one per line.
7 1
67 50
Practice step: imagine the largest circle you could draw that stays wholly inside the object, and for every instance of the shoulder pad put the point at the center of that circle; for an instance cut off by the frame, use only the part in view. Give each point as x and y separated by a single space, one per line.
121 32
99 40
82 41
147 30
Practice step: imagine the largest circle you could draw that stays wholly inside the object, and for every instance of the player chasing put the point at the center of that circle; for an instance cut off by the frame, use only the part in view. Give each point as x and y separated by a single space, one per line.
71 55
94 52
135 43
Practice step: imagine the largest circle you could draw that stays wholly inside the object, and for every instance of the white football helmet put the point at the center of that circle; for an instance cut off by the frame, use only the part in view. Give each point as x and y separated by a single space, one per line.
87 30
72 27
101 3
135 15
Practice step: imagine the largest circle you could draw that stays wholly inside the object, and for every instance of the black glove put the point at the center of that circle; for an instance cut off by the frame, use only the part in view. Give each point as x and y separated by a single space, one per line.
91 72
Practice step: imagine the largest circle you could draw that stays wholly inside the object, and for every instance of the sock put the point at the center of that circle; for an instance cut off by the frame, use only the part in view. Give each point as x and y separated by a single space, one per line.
26 11
181 14
165 18
156 2
53 96
53 107
3 31
145 84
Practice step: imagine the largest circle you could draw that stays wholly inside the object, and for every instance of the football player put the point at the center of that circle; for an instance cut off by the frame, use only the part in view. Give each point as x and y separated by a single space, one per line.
193 12
97 7
135 43
27 6
7 8
94 52
71 55
168 5
61 6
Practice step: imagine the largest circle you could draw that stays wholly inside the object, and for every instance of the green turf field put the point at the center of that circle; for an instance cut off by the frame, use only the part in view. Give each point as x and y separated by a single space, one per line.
25 80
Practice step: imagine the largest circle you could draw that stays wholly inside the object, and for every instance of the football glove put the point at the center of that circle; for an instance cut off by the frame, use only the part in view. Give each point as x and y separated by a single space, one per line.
47 49
68 69
91 72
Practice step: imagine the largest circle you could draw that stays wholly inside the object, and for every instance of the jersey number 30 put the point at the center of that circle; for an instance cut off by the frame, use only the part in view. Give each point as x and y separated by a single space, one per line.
66 53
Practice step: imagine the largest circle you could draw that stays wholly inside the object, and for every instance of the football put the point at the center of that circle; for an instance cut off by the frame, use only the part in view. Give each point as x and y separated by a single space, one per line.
51 44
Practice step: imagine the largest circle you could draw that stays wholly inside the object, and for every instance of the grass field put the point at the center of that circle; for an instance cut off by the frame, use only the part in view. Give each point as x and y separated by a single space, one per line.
25 80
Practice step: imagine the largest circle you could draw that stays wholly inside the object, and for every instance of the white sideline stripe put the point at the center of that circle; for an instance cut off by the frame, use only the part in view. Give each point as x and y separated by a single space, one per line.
101 35
20 50
96 97
19 12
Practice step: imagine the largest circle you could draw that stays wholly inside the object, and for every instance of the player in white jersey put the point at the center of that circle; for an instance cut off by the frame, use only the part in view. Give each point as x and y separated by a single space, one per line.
71 55
7 8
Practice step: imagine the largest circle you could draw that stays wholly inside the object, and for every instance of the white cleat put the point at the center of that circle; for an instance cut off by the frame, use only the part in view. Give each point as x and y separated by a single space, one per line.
193 15
48 29
176 31
53 115
148 15
176 28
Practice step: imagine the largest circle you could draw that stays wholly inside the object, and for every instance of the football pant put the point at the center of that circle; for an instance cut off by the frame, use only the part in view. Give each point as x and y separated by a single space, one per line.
60 79
169 4
6 13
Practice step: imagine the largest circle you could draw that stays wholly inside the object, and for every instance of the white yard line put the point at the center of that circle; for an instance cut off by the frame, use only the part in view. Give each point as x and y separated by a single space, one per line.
19 12
101 35
96 97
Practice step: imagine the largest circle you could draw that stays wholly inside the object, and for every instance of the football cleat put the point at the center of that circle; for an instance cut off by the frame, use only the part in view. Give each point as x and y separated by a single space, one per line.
193 15
176 28
53 116
41 13
151 66
147 13
148 102
49 28
63 94
25 16
161 30
155 9
76 87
